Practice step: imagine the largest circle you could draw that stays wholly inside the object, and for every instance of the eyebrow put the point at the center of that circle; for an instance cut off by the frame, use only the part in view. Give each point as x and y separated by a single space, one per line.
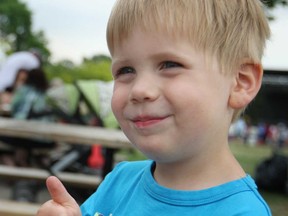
158 55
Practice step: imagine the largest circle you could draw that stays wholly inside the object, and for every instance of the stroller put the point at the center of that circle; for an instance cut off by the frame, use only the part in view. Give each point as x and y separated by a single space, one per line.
86 102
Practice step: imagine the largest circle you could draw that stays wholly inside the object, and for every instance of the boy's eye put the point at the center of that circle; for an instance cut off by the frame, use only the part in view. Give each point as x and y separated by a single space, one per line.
124 70
170 64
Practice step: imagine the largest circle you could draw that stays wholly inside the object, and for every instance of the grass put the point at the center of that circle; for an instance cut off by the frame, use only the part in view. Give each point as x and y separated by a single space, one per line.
249 157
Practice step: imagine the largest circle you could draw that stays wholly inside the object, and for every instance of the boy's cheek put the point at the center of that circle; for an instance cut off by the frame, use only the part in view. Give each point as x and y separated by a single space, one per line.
116 105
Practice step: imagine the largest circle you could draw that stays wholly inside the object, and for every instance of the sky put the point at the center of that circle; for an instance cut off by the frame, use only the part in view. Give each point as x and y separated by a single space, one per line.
77 28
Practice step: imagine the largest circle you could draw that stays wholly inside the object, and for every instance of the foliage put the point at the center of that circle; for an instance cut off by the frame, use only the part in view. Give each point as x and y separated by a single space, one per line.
98 58
274 3
16 28
94 68
270 4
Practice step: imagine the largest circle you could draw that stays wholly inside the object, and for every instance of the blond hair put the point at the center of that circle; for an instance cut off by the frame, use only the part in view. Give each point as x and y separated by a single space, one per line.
231 30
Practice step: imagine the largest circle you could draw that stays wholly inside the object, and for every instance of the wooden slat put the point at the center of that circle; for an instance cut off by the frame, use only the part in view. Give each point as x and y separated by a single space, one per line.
78 179
12 208
74 134
71 134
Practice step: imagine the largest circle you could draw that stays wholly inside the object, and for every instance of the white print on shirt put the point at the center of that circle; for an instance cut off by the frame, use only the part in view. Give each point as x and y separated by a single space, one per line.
99 214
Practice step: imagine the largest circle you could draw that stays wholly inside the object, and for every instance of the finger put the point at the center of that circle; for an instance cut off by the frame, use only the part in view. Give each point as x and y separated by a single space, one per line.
58 192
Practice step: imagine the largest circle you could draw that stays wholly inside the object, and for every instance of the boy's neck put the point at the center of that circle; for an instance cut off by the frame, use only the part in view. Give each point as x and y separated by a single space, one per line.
199 173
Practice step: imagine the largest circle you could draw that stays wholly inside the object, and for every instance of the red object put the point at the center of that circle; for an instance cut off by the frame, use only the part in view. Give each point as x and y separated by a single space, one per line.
96 159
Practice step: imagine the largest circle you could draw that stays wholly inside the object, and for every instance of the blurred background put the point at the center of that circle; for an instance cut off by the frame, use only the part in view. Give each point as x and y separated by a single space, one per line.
69 35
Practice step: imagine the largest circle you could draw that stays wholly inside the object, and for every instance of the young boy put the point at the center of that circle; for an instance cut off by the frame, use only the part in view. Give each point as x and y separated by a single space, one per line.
183 72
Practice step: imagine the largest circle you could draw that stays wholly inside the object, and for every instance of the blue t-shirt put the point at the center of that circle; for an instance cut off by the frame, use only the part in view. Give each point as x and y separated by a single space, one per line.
130 190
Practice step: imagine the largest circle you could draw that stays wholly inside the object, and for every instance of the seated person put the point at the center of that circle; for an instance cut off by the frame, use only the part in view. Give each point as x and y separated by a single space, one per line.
7 95
28 101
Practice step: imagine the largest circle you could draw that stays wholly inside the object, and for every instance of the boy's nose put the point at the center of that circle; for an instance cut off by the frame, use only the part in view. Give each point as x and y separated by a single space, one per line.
144 89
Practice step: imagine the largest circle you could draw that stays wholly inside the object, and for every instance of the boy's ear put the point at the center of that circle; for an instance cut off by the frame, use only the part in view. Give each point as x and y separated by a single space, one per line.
247 83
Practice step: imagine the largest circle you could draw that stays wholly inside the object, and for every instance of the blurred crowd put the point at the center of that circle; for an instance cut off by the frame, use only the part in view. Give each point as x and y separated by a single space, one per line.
262 133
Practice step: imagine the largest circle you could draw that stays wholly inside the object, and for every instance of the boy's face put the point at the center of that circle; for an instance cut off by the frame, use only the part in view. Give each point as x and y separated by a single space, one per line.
167 101
21 78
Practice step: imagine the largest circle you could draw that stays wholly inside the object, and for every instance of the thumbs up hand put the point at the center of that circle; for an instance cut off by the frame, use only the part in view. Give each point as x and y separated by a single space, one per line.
61 203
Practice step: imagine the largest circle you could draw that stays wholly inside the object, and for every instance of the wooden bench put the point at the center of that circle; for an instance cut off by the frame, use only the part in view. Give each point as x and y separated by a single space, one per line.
79 180
64 133
73 134
12 208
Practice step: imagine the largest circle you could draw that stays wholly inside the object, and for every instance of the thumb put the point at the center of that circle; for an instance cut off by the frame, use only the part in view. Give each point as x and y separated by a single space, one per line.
58 192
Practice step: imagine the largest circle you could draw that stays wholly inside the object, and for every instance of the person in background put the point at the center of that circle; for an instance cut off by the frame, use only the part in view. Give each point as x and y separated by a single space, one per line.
24 60
183 72
29 101
13 74
30 97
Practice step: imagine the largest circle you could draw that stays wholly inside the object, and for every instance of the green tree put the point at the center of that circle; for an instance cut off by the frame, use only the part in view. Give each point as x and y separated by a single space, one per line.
16 28
98 67
99 58
96 70
15 22
274 3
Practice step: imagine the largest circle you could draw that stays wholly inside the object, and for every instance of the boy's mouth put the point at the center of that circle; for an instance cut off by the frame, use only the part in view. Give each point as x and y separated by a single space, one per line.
146 121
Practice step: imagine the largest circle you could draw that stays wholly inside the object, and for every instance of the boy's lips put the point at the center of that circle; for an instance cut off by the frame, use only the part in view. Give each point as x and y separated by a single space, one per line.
146 121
